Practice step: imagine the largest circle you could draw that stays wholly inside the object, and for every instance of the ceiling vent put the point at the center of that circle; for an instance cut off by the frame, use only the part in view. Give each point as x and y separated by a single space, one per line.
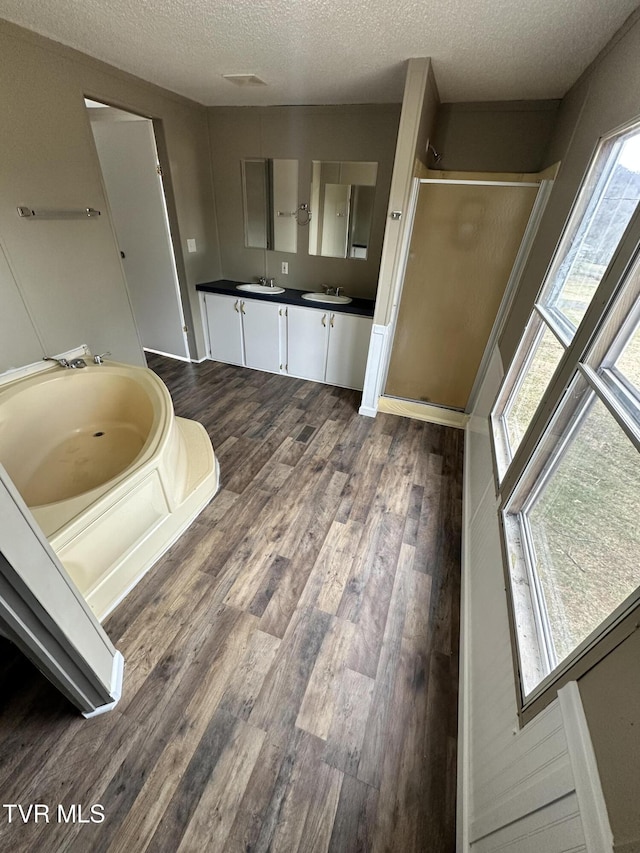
244 79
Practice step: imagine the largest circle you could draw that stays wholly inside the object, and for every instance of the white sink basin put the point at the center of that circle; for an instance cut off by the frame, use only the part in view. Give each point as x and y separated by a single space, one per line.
327 297
260 288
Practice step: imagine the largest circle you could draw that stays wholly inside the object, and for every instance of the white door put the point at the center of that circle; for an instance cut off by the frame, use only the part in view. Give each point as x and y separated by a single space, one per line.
261 324
307 336
129 163
348 348
225 328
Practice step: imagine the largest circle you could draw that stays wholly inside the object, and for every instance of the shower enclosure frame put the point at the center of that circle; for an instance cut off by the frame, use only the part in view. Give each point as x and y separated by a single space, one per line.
545 186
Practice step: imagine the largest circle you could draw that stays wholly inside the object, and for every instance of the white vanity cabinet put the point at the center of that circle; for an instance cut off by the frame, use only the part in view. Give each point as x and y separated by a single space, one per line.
309 343
327 346
307 338
263 328
246 332
348 349
224 323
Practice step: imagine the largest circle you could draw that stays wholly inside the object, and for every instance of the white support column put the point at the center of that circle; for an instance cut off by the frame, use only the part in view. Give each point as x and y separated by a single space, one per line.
374 376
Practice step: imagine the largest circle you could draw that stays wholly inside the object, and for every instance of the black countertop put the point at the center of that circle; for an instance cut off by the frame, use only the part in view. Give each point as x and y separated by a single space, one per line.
363 307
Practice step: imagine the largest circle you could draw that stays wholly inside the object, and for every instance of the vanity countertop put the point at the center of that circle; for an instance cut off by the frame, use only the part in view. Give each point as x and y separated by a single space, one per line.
363 307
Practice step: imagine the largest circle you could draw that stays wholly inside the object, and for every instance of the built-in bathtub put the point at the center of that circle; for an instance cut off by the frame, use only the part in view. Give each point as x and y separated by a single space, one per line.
112 476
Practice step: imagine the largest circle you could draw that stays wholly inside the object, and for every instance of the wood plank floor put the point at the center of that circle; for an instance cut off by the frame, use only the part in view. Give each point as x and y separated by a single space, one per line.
291 663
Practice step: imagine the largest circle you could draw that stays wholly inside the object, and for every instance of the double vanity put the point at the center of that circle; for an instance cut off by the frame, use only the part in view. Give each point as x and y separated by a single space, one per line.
316 336
323 337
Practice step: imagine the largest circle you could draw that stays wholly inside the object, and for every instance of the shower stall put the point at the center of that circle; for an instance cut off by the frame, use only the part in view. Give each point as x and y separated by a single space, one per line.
467 233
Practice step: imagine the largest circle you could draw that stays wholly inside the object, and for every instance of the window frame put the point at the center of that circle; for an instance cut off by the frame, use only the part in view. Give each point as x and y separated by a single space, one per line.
588 364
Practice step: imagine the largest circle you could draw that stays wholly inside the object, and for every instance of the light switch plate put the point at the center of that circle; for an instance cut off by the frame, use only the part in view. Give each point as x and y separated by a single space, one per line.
285 268
191 244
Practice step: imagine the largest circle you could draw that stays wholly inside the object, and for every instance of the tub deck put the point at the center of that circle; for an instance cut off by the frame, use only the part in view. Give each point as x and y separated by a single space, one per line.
112 477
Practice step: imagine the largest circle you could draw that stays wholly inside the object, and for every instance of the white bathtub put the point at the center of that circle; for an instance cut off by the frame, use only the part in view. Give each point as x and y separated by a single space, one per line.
108 471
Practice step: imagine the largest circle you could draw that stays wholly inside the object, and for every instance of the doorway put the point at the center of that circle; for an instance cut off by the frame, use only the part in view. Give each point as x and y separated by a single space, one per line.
465 238
132 177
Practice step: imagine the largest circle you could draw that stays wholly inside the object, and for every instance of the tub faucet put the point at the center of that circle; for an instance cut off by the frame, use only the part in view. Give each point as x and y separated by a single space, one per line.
78 362
61 361
99 359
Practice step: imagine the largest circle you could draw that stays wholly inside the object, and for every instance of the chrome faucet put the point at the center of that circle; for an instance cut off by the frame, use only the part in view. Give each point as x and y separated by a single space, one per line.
330 291
271 282
99 359
262 280
61 361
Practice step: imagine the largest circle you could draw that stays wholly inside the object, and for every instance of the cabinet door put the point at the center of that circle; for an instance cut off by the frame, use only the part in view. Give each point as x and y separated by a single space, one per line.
261 324
225 328
348 349
307 337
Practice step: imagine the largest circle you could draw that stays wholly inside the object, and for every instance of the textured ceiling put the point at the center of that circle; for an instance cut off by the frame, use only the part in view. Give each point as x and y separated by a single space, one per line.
331 51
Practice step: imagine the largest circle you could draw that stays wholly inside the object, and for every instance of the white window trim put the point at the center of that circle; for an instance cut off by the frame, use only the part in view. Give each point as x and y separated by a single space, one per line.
590 351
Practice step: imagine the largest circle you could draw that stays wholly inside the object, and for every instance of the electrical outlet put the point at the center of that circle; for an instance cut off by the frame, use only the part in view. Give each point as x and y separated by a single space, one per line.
191 245
285 268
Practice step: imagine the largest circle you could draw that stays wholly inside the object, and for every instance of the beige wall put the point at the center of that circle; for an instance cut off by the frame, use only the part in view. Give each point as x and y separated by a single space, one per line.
67 274
508 136
606 97
611 697
360 132
19 341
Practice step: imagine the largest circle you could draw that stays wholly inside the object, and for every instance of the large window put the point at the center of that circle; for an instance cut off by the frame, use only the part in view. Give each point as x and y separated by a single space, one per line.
566 430
603 210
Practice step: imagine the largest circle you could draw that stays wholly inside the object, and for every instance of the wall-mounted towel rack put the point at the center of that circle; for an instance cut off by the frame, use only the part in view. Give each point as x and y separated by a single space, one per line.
29 213
296 214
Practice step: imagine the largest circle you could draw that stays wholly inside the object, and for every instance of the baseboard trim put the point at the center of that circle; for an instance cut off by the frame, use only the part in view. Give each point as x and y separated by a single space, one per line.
422 412
167 354
367 411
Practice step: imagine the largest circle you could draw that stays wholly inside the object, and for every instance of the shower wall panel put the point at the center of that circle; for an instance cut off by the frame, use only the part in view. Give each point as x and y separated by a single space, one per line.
465 239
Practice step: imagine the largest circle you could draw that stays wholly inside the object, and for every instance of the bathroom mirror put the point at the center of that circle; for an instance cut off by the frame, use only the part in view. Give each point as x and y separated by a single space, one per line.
342 196
270 201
